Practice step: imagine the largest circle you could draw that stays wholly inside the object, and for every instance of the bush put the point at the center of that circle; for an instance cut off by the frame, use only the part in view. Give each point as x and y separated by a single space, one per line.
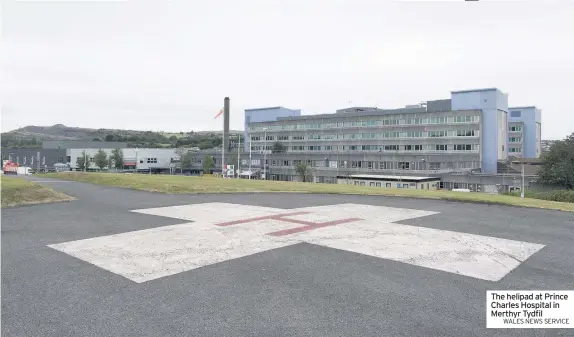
557 195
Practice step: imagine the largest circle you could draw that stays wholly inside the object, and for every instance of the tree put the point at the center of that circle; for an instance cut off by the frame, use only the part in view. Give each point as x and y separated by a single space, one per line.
558 164
181 153
187 160
208 164
101 159
278 147
109 138
205 144
232 159
117 158
83 161
304 171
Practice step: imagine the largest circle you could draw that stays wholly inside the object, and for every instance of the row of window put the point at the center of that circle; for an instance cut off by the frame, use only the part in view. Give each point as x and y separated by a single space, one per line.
369 165
368 123
514 150
372 135
515 139
515 128
391 147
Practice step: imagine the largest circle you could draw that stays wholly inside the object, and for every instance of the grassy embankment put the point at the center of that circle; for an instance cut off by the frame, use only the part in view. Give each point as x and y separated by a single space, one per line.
17 191
182 184
557 195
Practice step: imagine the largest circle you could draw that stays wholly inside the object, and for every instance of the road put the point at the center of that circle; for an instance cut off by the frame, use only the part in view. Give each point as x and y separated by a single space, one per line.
271 264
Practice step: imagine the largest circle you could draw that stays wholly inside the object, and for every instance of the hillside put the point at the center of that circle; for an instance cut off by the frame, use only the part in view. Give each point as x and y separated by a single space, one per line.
32 137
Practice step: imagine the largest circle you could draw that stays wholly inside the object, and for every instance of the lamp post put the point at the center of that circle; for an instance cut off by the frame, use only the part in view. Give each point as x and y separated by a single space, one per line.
326 165
249 160
265 154
522 174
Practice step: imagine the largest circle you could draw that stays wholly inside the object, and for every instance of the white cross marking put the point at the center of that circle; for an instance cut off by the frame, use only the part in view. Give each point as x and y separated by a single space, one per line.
221 232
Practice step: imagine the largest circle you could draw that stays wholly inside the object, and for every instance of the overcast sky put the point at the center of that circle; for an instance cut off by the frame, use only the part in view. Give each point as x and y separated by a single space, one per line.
167 65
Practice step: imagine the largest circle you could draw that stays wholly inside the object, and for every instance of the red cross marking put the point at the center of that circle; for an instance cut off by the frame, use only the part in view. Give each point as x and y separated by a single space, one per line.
308 225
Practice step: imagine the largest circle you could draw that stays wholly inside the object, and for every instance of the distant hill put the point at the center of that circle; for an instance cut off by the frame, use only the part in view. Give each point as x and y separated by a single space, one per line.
32 136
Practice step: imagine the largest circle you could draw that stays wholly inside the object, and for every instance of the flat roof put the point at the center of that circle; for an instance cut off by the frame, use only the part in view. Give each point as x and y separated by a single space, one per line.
522 107
474 90
269 108
386 177
363 114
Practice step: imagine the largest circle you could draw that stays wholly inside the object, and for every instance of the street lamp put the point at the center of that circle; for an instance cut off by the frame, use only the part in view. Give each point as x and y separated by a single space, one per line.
249 159
522 173
265 154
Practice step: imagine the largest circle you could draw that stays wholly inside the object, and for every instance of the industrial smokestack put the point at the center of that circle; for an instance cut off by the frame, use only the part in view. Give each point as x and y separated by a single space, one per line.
226 125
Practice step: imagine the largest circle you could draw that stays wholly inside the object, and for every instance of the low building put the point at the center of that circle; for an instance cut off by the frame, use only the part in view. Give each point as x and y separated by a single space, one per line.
53 152
421 183
35 158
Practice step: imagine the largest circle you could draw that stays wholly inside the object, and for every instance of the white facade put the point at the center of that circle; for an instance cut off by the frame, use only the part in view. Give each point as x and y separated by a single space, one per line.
422 183
145 158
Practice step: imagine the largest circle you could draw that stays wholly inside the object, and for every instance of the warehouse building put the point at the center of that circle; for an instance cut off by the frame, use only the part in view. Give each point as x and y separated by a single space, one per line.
53 152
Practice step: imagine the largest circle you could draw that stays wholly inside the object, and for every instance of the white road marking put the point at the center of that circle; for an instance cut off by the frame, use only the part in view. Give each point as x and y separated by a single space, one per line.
153 253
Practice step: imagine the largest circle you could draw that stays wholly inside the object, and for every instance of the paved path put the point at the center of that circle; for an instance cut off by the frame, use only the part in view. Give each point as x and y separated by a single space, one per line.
117 262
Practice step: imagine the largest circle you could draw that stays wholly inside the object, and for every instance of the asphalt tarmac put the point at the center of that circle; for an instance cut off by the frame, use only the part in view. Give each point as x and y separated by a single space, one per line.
301 289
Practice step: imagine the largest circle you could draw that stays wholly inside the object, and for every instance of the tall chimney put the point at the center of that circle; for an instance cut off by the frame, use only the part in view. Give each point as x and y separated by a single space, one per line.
226 126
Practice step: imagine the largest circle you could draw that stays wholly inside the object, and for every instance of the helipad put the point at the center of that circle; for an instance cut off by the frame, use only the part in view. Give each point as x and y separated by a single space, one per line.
217 232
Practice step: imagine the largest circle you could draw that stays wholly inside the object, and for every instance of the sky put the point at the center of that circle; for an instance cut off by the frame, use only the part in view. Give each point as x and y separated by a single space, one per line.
167 65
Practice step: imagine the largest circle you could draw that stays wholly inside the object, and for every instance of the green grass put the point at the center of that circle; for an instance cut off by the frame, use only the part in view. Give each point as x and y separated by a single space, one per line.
17 191
207 184
555 195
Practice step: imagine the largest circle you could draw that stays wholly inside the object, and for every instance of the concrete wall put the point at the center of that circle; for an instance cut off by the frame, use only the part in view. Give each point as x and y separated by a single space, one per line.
494 106
265 115
531 117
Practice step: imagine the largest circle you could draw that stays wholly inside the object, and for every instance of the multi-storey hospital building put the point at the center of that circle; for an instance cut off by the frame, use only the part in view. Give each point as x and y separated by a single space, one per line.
471 131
